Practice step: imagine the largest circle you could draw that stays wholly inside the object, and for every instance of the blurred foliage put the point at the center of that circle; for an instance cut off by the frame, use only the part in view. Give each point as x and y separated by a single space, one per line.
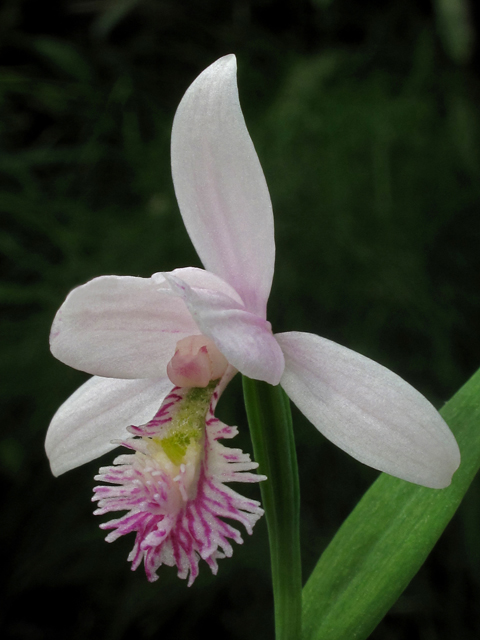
367 126
455 28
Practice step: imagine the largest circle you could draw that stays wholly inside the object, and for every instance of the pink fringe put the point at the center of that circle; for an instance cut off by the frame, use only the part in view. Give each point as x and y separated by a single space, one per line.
170 527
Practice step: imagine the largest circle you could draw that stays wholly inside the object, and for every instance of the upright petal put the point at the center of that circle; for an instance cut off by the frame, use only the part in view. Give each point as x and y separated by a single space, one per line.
245 339
368 411
97 413
220 186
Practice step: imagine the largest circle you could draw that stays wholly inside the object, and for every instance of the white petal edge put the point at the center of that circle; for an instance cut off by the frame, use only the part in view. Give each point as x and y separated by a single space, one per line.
97 413
368 411
245 339
220 185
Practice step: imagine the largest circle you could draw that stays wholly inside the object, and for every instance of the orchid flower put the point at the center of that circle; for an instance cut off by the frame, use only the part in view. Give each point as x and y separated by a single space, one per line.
162 349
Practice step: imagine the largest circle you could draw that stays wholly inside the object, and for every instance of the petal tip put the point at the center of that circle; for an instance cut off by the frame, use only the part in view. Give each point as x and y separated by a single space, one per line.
56 471
451 466
230 58
228 63
57 467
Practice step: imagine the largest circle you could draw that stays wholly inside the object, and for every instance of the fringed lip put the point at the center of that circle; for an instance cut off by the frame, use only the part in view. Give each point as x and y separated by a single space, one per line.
176 507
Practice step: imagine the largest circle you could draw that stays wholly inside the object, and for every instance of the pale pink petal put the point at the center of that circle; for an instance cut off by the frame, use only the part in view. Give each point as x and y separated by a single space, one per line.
220 186
201 279
244 339
97 413
120 327
368 411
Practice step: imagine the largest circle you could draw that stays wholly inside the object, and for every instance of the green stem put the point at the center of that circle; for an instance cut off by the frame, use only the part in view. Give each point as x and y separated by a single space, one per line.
270 420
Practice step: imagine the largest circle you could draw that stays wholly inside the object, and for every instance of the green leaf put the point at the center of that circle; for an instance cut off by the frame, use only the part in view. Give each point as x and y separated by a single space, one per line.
387 537
270 421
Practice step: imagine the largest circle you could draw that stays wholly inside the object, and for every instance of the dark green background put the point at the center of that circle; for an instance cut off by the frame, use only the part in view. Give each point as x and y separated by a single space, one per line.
366 118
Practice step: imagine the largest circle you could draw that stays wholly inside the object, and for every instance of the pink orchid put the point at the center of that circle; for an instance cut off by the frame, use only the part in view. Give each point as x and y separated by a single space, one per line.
129 333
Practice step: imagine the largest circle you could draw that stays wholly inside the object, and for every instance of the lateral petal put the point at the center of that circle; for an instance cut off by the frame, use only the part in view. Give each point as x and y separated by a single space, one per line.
97 413
220 186
245 339
120 327
368 411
